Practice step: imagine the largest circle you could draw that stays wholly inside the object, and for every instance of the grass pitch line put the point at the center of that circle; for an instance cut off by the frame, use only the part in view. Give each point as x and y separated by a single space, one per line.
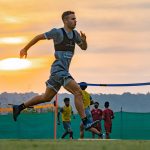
99 139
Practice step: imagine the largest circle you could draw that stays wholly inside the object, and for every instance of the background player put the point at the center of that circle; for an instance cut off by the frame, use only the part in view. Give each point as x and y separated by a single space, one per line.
108 115
87 101
66 118
97 115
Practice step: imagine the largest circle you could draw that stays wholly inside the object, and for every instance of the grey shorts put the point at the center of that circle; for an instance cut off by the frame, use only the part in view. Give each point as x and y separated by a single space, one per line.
57 80
88 114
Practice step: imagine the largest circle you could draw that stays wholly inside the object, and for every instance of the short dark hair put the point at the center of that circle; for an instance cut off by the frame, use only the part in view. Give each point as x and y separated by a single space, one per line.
66 99
67 13
96 103
107 104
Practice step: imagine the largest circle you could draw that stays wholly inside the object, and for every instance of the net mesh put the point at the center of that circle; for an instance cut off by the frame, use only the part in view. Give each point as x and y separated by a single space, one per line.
126 125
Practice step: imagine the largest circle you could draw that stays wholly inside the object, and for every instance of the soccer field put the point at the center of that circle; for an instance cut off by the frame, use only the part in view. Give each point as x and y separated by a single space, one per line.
74 145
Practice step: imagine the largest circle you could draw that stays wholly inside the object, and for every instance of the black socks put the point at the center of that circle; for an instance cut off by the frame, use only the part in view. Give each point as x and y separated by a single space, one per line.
84 120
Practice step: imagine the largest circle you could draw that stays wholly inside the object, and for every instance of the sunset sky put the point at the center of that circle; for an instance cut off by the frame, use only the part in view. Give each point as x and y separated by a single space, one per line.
118 35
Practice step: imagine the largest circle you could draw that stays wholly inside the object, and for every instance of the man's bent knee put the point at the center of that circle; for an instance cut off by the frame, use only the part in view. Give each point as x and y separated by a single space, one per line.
77 93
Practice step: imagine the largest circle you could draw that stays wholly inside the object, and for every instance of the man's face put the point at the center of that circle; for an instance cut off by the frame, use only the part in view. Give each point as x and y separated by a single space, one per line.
96 106
67 103
70 21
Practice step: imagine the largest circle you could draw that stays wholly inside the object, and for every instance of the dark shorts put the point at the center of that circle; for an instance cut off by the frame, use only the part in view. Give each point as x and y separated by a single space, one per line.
57 80
108 127
67 125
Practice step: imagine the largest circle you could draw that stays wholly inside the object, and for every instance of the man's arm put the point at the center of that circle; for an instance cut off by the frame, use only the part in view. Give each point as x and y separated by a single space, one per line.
83 44
72 113
112 116
37 38
91 101
58 116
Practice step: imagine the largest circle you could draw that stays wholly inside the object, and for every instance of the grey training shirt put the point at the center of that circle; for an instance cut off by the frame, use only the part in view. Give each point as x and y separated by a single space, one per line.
63 58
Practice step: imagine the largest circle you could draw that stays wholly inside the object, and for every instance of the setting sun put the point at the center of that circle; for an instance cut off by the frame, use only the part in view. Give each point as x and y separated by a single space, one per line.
12 40
14 64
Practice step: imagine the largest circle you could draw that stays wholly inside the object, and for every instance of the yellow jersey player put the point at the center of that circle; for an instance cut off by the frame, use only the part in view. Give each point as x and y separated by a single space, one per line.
87 101
66 112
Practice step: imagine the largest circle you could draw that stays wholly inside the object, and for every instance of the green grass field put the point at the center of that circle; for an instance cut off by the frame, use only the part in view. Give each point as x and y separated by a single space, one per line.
74 145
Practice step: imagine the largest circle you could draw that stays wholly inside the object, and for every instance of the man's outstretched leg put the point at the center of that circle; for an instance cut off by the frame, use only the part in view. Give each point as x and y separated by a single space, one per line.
74 88
95 131
64 134
46 97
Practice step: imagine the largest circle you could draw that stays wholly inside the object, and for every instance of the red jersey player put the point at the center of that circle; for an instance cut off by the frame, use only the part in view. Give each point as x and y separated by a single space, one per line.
108 115
97 115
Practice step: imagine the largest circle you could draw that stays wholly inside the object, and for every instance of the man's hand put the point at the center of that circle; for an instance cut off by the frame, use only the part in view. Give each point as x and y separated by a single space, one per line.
23 53
58 123
83 44
83 36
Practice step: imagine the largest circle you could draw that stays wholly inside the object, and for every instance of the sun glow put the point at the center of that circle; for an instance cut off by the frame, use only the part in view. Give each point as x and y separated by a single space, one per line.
11 19
12 40
14 64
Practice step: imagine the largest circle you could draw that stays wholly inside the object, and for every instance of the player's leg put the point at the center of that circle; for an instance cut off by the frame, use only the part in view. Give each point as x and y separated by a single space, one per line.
90 119
71 134
74 88
81 131
107 135
107 130
66 128
70 130
64 134
93 135
98 127
47 96
95 131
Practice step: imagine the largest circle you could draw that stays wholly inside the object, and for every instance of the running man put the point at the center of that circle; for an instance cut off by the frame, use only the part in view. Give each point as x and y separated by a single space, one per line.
97 115
108 115
64 44
87 101
67 112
